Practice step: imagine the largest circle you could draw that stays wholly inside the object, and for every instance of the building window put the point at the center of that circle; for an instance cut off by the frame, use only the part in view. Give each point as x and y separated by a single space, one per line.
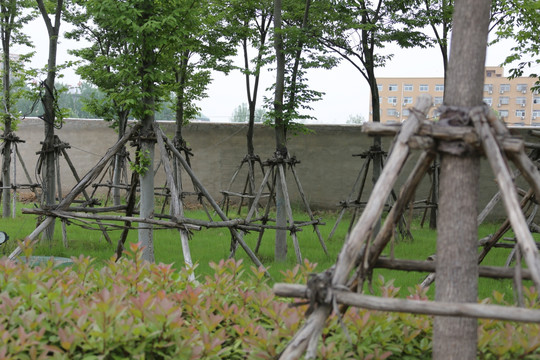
536 100
521 100
407 87
406 112
379 87
392 112
439 87
392 87
504 100
488 101
520 113
407 100
536 114
392 100
438 100
503 114
522 88
504 88
424 87
488 88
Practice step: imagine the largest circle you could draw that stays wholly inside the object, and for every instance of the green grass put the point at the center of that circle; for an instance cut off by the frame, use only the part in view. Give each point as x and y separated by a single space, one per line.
212 245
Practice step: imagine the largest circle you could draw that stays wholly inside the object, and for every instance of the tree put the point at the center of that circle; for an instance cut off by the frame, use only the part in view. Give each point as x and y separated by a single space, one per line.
437 14
253 20
296 48
522 26
243 114
205 45
99 68
357 29
356 119
457 260
49 101
14 14
142 49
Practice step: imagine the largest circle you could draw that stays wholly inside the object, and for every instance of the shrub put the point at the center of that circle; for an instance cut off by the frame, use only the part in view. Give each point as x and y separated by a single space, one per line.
133 309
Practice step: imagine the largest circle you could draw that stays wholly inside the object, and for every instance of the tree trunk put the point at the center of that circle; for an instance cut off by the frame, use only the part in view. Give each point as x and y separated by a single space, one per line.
49 116
6 152
457 268
119 159
280 130
146 233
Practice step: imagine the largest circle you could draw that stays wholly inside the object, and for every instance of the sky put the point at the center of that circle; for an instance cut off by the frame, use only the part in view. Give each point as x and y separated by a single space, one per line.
346 91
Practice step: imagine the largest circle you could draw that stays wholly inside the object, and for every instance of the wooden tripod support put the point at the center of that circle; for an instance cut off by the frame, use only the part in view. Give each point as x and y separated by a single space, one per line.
276 172
354 200
247 193
10 143
359 252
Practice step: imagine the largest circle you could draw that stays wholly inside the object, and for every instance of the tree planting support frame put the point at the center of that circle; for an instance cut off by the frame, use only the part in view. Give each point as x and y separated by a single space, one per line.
360 251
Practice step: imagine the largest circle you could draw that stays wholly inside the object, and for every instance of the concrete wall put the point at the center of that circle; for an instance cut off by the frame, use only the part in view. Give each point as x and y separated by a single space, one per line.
327 169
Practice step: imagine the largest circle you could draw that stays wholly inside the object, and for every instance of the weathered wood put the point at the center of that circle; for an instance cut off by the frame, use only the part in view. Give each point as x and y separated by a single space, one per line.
97 209
216 207
493 272
509 195
429 131
307 337
405 196
33 236
439 308
283 182
489 207
85 194
89 177
176 205
308 209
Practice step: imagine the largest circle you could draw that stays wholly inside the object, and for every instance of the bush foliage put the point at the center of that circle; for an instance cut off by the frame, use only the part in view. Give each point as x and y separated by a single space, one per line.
132 309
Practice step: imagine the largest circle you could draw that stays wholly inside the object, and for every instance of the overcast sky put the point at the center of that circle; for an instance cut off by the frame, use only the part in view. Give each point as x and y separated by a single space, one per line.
346 91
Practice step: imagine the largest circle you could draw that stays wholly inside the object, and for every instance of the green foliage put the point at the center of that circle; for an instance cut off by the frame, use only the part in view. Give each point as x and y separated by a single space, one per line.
299 50
14 15
142 162
241 114
355 119
134 309
521 23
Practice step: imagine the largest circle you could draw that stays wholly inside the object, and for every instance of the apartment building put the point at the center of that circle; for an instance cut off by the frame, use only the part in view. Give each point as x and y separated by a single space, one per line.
512 99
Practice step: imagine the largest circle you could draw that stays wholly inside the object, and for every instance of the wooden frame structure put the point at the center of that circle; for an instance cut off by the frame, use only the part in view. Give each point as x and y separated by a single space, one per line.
277 167
361 251
11 141
88 216
354 199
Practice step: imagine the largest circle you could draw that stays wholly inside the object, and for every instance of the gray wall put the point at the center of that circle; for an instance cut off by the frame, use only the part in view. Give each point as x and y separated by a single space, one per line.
327 169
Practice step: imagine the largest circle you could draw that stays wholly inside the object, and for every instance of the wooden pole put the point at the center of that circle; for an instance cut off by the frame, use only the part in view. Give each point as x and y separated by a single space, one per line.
509 195
450 309
176 205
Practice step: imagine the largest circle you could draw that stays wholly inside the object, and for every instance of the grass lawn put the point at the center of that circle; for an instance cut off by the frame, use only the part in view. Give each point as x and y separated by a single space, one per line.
212 245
